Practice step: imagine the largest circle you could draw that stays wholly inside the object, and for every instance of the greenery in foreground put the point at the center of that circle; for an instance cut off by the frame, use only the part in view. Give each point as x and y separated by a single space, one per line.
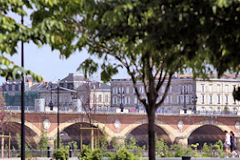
131 151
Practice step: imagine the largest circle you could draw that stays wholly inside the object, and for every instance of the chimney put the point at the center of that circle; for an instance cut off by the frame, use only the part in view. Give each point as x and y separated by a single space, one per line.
29 83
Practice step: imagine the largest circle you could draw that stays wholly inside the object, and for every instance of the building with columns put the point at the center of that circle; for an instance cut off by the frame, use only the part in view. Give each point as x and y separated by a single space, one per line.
184 94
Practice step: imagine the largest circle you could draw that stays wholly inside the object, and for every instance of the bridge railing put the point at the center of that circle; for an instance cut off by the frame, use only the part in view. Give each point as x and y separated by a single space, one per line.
130 111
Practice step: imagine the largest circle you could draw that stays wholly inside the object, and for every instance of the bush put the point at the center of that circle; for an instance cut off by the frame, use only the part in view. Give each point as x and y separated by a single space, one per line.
95 155
161 148
61 154
132 146
108 154
85 152
180 150
123 154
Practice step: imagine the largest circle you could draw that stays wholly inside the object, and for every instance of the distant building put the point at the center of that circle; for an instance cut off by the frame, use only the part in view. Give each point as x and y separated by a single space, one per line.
12 93
184 93
95 94
73 86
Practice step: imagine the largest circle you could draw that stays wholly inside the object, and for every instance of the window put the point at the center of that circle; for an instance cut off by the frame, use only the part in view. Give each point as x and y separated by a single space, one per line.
127 90
114 90
202 99
114 100
226 99
16 87
106 98
210 99
170 99
170 89
190 88
94 98
218 100
10 87
202 88
100 98
66 99
135 100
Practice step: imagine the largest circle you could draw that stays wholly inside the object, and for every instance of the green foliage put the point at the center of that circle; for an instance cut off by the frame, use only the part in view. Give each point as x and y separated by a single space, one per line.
117 146
73 144
132 146
60 143
123 154
61 153
28 147
207 150
219 148
162 149
43 143
180 150
103 142
95 155
87 154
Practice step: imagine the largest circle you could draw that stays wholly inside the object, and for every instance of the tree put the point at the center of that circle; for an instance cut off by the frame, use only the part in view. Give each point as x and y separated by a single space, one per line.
152 40
12 31
43 143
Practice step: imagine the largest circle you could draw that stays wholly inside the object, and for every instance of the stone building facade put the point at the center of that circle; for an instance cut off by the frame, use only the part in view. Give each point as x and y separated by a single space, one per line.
184 94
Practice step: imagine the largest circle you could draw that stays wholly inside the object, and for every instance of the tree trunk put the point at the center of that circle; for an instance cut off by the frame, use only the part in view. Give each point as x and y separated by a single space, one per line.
151 135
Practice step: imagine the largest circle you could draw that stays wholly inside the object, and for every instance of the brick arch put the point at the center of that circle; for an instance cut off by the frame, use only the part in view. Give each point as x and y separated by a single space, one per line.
31 127
168 129
66 124
195 126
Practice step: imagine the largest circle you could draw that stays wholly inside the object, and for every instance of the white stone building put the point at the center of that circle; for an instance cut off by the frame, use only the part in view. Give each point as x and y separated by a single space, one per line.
184 94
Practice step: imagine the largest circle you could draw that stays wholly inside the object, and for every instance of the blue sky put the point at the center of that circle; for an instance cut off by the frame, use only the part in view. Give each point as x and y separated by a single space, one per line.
48 64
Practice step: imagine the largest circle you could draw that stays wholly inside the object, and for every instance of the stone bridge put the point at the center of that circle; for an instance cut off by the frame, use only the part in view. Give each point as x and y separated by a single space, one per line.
182 129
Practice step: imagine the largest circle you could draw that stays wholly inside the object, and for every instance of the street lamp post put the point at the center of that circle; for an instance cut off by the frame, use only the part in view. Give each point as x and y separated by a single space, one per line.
51 103
121 96
58 116
194 100
184 100
22 103
58 134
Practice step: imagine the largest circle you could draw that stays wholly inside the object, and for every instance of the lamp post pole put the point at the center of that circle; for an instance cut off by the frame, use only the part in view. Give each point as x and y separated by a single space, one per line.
22 103
121 104
194 99
58 134
51 103
184 100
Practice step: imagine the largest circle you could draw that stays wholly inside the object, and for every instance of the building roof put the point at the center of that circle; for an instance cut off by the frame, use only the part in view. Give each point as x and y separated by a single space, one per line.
73 77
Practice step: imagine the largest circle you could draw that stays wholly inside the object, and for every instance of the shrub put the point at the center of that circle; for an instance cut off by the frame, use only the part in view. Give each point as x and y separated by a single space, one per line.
161 148
123 154
61 154
132 146
85 152
95 155
207 150
180 150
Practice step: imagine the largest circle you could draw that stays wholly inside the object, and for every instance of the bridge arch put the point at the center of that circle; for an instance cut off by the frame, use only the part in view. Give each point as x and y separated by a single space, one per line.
101 126
206 128
193 127
170 132
13 127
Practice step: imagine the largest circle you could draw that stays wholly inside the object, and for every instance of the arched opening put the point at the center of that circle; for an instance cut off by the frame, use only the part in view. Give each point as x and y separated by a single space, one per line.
141 135
82 134
14 130
209 134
